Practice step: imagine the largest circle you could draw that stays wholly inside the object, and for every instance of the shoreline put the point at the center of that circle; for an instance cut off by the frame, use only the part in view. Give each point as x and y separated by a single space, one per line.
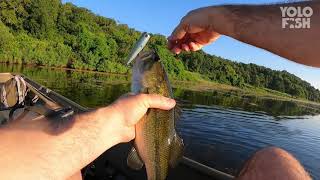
65 68
236 91
200 86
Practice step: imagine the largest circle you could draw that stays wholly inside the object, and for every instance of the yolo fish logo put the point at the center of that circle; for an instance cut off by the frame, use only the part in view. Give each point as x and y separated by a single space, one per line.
296 17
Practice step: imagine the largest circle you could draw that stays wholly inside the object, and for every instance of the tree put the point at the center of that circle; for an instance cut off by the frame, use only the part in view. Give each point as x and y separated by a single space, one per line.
43 14
54 34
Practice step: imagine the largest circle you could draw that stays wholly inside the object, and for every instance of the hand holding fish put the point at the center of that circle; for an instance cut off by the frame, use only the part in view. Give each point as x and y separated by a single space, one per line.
131 108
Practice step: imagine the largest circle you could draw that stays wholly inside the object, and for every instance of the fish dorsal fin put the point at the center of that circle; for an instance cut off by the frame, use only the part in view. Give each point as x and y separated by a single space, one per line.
176 151
134 161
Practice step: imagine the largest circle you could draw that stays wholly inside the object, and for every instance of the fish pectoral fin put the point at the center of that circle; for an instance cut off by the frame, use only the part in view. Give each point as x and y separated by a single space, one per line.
134 161
176 151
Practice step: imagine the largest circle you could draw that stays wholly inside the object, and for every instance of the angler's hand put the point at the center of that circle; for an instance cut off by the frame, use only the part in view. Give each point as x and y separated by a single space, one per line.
131 108
195 30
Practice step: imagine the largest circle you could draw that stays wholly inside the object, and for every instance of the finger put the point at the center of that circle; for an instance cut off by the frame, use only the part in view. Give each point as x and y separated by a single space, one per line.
195 46
173 44
184 28
157 101
185 47
176 50
194 29
215 36
205 37
178 33
124 96
170 44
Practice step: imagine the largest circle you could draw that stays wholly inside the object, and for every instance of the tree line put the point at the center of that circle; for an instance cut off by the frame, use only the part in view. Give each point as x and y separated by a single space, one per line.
51 33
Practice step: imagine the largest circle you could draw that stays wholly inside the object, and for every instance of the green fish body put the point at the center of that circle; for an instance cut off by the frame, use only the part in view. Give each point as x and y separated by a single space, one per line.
157 144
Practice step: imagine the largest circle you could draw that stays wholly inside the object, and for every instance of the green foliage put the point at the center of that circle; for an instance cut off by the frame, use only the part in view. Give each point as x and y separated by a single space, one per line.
13 13
214 68
8 46
50 33
42 18
173 66
113 67
25 49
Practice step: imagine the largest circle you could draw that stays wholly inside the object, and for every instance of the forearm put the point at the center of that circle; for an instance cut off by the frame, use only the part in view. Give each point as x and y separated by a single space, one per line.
36 149
28 151
261 26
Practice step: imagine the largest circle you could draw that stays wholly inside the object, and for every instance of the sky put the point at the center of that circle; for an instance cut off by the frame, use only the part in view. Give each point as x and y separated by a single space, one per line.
162 17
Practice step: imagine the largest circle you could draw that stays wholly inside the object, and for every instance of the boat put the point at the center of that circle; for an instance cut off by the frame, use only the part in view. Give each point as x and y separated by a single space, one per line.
40 101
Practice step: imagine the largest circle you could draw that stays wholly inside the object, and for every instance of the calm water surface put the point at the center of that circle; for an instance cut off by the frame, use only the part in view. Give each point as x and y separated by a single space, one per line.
219 129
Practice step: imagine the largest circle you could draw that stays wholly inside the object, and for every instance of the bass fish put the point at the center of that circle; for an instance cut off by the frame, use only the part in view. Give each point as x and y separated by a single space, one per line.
157 144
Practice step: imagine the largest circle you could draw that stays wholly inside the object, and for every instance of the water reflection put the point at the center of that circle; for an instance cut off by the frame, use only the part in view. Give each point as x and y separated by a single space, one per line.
93 90
225 139
219 129
248 103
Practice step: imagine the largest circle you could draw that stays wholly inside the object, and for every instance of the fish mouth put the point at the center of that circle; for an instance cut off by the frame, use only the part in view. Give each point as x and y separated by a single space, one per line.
150 55
142 69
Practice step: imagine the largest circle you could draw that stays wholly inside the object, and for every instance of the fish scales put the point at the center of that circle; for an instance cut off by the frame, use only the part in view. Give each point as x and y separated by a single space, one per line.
157 143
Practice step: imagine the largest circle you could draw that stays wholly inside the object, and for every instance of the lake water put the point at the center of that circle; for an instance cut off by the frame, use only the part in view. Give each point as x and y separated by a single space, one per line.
219 129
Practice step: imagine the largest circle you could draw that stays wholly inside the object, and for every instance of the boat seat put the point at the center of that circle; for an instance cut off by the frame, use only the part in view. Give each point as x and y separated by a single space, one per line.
20 101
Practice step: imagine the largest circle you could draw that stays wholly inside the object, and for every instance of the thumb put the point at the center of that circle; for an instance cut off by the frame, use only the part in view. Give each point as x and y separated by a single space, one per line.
157 101
179 32
188 24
